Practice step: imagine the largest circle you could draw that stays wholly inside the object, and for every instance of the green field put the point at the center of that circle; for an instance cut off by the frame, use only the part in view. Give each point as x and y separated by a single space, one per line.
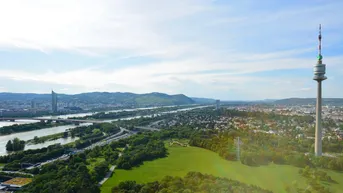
91 163
181 160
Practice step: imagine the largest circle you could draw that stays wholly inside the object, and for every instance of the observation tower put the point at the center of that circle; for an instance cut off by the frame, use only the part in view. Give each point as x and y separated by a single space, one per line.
319 76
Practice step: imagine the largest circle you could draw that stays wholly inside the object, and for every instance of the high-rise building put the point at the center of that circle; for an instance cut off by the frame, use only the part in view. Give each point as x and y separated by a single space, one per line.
319 76
217 104
33 104
53 102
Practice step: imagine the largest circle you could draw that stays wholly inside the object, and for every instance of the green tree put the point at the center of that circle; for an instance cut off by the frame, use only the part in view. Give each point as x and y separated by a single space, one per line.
15 145
9 146
36 139
65 134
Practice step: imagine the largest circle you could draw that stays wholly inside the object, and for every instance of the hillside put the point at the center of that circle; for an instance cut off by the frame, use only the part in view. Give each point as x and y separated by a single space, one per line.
309 101
126 99
203 100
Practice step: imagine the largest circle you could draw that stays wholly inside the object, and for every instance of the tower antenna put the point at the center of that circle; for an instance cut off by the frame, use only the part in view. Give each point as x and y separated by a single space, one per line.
320 57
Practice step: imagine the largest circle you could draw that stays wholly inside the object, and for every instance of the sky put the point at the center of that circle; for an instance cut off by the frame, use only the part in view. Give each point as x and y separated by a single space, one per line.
222 49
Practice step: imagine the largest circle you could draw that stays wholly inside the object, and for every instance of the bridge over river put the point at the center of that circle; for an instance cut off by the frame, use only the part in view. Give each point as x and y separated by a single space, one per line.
76 121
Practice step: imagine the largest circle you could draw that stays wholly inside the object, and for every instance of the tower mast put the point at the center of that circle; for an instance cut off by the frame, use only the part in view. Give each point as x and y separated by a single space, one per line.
319 76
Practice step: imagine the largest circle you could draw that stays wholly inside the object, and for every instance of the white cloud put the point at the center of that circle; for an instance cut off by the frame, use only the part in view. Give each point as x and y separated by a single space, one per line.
91 26
197 43
304 89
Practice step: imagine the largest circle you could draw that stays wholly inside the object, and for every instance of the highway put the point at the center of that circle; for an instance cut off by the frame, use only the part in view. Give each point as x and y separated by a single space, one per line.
147 128
117 136
108 140
16 172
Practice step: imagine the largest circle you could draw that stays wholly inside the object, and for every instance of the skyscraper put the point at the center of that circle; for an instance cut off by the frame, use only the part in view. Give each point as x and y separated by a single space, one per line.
53 102
319 76
217 104
33 104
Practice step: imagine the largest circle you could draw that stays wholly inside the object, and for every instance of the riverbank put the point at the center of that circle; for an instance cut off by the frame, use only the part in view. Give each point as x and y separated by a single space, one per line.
60 129
19 128
39 133
37 140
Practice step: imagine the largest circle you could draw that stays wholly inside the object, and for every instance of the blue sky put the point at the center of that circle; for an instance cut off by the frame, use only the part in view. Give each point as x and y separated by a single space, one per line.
230 50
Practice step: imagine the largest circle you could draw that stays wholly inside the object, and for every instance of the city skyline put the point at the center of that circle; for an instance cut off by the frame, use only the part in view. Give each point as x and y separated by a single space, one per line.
229 51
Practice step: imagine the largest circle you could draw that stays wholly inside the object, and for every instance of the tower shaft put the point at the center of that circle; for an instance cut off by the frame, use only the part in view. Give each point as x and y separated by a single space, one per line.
319 76
318 138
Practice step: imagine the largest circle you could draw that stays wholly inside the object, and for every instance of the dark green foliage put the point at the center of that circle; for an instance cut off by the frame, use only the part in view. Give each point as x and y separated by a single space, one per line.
15 145
70 176
12 175
192 182
100 170
93 133
220 142
144 151
110 155
65 134
313 181
333 163
309 173
32 156
25 127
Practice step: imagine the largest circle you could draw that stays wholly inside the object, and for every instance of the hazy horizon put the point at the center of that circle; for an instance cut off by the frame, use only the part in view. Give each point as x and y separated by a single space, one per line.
266 99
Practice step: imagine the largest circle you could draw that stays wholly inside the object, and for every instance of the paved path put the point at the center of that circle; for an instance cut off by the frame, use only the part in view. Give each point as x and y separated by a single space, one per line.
108 175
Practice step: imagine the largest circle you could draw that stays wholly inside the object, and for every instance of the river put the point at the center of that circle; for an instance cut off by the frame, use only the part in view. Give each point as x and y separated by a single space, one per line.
87 114
19 122
39 133
53 130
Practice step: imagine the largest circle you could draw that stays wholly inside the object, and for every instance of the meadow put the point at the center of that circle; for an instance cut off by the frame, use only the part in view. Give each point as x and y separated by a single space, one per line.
181 160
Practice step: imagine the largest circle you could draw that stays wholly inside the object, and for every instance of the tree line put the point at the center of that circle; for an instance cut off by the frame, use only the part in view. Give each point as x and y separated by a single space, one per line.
14 161
136 154
64 176
15 145
192 182
6 130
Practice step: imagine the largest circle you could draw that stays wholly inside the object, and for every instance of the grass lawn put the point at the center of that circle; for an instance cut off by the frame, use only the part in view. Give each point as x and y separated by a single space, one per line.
181 160
91 163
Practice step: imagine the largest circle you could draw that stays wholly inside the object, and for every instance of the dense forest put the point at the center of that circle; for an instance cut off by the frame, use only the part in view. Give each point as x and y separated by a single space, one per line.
137 148
32 156
70 176
93 133
141 151
261 149
192 182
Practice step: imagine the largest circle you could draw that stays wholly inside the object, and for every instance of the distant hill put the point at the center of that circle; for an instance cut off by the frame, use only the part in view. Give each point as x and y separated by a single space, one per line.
203 100
309 101
123 98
